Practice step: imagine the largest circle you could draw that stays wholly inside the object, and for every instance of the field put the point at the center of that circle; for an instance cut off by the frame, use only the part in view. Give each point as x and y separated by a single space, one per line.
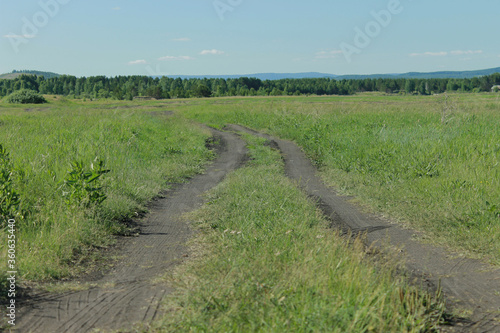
265 258
429 162
141 149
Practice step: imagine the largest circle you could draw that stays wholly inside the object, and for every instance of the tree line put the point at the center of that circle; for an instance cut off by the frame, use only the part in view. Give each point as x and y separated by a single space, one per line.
128 87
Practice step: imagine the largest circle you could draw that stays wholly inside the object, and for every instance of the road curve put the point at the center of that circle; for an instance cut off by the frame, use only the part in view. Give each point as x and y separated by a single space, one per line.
126 295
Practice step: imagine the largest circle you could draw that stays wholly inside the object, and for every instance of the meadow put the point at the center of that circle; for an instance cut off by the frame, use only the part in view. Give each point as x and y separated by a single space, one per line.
430 162
83 169
56 150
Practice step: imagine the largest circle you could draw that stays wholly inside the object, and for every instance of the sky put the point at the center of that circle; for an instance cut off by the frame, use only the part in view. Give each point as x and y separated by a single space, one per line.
223 37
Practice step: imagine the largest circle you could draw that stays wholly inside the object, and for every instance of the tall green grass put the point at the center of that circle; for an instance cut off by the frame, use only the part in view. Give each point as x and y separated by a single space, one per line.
143 151
266 261
430 161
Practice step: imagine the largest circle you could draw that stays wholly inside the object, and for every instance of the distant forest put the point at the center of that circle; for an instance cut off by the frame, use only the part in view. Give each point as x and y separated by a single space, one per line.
128 87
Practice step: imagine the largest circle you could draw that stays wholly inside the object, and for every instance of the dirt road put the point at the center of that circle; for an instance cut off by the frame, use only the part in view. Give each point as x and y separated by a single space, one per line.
467 284
127 294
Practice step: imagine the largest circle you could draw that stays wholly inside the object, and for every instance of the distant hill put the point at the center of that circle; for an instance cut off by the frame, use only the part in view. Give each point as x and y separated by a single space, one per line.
306 75
410 75
430 75
15 74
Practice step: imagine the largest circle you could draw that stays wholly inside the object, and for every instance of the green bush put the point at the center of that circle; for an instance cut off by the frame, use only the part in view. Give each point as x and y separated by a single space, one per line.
26 96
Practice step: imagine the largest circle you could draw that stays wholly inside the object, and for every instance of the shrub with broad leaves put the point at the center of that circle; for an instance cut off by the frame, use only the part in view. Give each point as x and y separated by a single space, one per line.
26 96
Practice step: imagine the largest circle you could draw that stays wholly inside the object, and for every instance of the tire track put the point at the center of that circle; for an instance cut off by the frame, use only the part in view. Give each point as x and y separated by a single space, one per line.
126 295
466 283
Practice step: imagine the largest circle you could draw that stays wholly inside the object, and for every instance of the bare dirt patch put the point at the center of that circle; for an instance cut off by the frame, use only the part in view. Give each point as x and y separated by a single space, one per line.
161 113
37 109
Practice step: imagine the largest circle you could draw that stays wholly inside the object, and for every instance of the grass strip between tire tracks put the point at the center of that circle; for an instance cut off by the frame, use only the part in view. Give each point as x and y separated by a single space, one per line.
265 260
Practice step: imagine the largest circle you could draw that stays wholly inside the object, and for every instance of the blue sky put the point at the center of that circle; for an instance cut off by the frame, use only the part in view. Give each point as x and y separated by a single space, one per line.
209 37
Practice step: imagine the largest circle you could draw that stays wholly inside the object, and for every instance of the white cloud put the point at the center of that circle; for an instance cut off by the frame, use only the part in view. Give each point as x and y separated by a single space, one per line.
19 36
213 51
429 54
328 54
183 39
169 58
443 53
138 62
116 8
468 52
